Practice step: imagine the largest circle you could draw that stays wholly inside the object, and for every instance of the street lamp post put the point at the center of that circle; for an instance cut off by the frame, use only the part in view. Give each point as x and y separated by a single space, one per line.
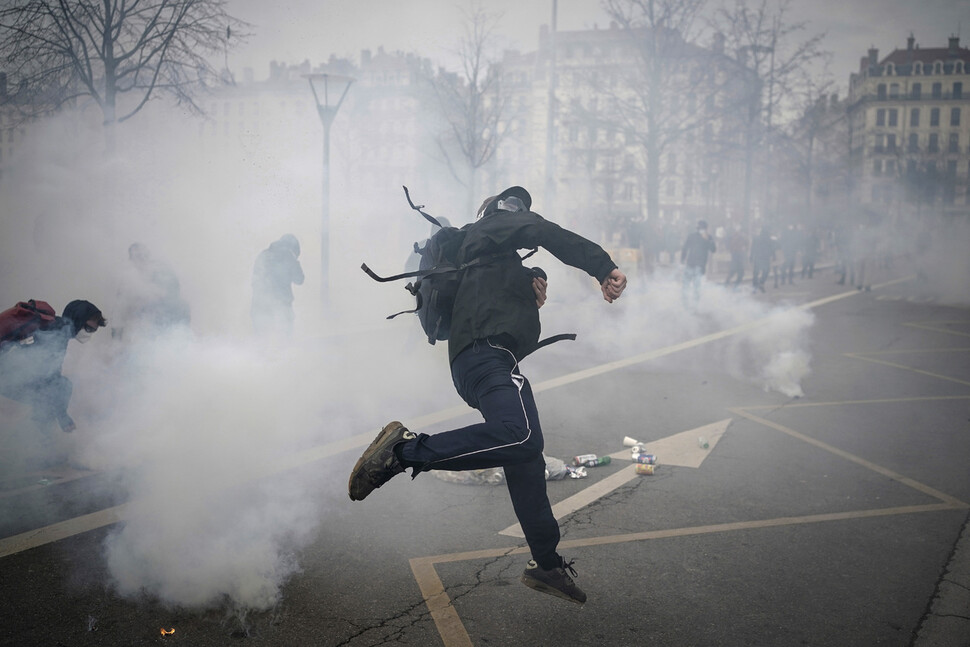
323 86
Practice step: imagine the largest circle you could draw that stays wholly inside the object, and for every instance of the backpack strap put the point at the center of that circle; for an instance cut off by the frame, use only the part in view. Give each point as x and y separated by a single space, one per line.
384 279
552 340
418 208
413 289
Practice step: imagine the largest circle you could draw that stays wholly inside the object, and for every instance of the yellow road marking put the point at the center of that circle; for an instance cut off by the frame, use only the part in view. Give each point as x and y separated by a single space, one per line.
905 351
908 368
453 633
63 530
926 325
835 403
916 485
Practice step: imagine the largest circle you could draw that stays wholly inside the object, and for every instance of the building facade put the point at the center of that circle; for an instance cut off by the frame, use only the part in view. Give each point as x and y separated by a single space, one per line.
909 129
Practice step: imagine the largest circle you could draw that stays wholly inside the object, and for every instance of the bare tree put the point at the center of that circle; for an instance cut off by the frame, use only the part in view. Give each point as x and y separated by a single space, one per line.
472 103
781 65
666 92
813 148
119 53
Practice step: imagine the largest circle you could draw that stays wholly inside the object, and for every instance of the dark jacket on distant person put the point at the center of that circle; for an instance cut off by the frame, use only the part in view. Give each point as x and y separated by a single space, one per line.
277 269
695 251
496 299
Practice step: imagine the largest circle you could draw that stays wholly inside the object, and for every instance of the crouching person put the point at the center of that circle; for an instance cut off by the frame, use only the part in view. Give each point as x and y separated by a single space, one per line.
30 366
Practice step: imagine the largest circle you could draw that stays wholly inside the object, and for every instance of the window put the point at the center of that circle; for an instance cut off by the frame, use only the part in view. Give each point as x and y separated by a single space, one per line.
879 145
913 146
934 116
934 143
881 117
877 167
954 145
954 116
917 89
671 188
890 167
910 167
937 90
881 91
893 117
893 90
914 118
891 143
958 89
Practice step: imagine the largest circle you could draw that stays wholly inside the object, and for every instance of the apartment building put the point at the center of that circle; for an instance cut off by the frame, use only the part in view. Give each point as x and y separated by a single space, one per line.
909 129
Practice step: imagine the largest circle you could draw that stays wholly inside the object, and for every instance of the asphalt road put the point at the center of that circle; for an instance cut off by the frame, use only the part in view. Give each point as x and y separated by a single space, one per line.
830 519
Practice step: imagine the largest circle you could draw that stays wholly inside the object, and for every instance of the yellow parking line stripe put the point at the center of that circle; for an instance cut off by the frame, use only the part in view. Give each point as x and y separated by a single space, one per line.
63 530
879 469
445 617
925 325
908 368
904 351
454 634
837 403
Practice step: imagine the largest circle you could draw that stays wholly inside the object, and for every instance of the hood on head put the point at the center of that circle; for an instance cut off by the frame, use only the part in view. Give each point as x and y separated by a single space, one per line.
79 312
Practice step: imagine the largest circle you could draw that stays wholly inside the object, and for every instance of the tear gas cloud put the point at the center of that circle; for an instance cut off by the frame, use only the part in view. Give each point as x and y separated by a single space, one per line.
194 420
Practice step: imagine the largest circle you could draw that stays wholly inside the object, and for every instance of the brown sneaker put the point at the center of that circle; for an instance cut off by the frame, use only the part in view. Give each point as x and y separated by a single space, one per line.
378 464
555 581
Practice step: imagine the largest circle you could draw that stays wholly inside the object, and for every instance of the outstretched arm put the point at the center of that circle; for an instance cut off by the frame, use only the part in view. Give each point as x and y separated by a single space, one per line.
613 285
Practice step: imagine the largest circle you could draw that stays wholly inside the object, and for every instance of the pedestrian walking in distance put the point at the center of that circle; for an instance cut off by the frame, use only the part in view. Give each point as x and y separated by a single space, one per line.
698 246
495 323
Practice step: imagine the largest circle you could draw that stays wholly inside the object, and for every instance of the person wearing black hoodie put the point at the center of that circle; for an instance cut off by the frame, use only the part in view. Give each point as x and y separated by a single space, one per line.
30 370
495 323
276 270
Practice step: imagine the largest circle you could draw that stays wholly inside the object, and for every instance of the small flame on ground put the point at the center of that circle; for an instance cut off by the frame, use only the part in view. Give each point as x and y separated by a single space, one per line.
168 632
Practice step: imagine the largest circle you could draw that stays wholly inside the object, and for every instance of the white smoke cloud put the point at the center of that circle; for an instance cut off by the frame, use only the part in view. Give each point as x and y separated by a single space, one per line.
773 353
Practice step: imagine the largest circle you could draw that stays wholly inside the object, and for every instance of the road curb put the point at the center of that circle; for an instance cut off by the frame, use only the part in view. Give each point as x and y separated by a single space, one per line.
947 623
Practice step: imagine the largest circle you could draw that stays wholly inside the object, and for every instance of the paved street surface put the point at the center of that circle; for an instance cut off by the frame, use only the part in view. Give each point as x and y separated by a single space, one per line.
829 519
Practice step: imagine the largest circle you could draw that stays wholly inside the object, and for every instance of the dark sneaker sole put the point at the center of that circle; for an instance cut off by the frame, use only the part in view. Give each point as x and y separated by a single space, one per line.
542 587
389 430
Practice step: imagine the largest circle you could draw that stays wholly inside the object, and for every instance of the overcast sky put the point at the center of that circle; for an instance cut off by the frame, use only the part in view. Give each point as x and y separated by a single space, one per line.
314 29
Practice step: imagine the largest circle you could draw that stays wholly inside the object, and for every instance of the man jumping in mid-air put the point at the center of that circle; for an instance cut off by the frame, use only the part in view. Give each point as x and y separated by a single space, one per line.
495 323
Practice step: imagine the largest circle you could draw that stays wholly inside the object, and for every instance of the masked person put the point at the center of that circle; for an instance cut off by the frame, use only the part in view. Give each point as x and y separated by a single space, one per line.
276 270
30 369
495 323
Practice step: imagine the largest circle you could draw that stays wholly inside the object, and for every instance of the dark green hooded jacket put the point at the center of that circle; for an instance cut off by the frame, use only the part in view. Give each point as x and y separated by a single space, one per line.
496 299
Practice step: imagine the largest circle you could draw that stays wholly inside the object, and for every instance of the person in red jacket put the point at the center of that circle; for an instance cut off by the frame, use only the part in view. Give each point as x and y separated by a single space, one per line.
30 370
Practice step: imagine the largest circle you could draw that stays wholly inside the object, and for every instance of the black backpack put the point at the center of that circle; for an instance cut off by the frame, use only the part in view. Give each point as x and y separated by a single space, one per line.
437 278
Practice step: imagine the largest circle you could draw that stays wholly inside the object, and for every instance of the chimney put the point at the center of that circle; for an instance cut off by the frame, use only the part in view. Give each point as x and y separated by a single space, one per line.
911 41
954 45
873 56
365 57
